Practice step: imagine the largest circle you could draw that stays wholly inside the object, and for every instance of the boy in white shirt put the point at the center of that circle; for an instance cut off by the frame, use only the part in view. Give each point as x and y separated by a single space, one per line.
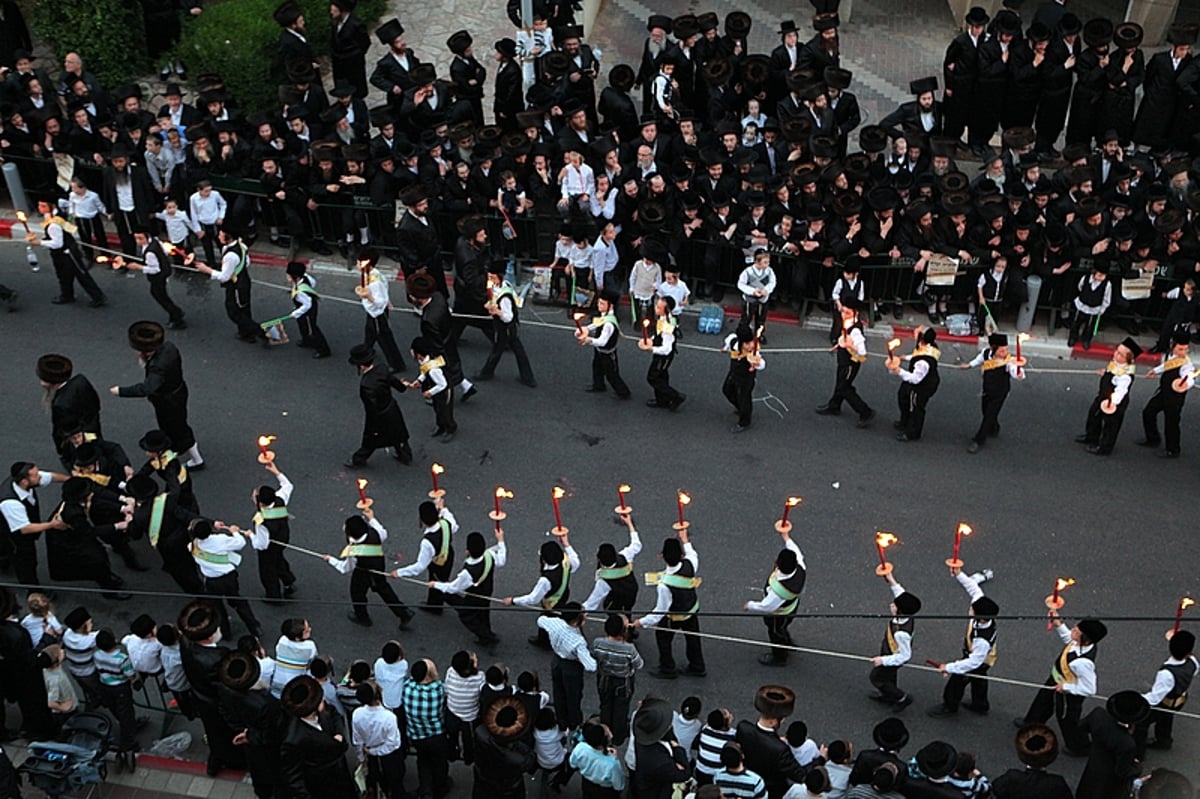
87 210
431 382
145 651
673 286
179 227
757 282
207 208
391 672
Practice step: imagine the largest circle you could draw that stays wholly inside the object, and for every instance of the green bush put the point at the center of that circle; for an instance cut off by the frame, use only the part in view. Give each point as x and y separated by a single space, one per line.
238 39
110 35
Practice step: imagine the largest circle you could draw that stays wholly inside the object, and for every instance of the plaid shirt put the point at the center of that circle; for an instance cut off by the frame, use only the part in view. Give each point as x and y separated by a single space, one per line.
423 708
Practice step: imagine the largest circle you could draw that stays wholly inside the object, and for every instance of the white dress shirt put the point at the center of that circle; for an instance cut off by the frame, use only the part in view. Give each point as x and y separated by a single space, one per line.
428 550
601 590
663 603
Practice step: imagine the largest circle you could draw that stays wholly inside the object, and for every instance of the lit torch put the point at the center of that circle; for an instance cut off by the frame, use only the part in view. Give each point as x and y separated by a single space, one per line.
498 515
646 331
623 509
578 316
892 347
265 455
682 500
963 529
882 542
559 493
364 501
1184 604
1021 337
1054 601
438 492
783 525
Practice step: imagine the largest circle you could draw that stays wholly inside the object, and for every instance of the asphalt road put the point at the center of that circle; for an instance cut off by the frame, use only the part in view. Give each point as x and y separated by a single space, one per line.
1041 507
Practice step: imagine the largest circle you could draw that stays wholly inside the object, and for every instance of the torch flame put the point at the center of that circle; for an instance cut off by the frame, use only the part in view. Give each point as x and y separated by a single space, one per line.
559 492
362 482
893 345
758 333
22 217
265 441
645 323
102 259
578 315
1023 337
1065 583
684 499
885 540
964 528
793 501
624 489
1186 603
437 468
503 493
169 248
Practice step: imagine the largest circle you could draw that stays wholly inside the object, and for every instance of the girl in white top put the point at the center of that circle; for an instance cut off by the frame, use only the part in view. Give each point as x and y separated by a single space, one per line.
43 626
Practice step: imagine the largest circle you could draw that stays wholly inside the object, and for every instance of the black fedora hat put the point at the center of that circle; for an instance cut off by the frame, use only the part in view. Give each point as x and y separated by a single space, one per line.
54 369
1098 32
872 139
154 441
361 355
389 31
738 24
198 620
1128 707
239 671
301 696
622 77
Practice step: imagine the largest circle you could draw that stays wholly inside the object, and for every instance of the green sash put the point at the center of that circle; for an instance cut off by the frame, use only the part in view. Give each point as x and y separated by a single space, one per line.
550 601
615 572
790 598
157 509
363 551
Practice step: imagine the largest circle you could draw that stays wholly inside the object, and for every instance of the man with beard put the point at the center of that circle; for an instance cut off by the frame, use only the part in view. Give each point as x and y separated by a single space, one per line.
472 254
70 398
821 51
437 328
417 240
923 114
960 71
164 386
1160 98
349 46
1058 76
656 43
391 74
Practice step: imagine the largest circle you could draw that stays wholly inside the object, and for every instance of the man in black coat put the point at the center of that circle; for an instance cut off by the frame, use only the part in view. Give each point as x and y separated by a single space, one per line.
437 328
164 386
313 752
502 757
14 34
1112 762
256 718
1160 90
472 256
20 676
960 73
890 736
75 552
349 43
661 761
467 74
1037 748
199 627
923 114
765 752
128 194
1058 76
164 522
391 73
655 44
417 239
383 425
509 97
988 97
293 43
616 106
73 401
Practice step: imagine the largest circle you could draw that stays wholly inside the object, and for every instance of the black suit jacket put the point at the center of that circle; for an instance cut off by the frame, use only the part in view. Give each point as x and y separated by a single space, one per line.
313 762
389 73
509 98
144 197
1030 783
908 115
75 400
768 756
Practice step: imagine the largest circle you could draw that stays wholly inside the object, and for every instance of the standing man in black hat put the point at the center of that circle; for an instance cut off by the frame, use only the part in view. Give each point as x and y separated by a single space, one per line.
924 113
603 335
979 651
384 423
502 752
999 369
294 48
851 349
349 43
1125 73
1113 761
1072 679
201 651
21 511
72 399
615 106
508 98
1107 411
164 386
1091 68
58 237
234 276
1037 748
313 752
467 74
128 194
656 44
960 73
785 58
1176 376
918 383
781 598
897 647
156 266
391 73
765 751
995 54
1058 76
661 761
822 50
472 254
417 241
1160 98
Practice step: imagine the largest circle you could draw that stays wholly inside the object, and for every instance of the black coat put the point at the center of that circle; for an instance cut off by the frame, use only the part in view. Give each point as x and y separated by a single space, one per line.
14 35
922 788
258 713
168 393
908 115
314 762
1112 760
200 665
292 50
389 74
500 768
509 98
768 756
76 401
174 541
659 769
384 423
348 53
418 247
437 327
870 759
960 67
1159 100
470 277
1117 100
1030 784
145 199
21 679
617 108
76 552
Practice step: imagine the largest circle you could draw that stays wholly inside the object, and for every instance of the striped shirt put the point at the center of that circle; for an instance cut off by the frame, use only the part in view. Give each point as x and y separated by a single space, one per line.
115 667
618 659
79 649
743 785
291 660
710 742
462 694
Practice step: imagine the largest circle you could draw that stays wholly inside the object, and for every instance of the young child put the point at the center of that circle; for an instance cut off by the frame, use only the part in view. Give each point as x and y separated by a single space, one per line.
757 283
41 623
1092 298
207 209
145 651
307 302
356 676
580 266
87 211
391 671
549 744
294 650
750 134
79 641
116 677
717 731
527 683
321 670
495 685
968 779
178 227
734 779
850 285
62 697
464 681
433 385
686 723
745 362
560 269
1180 316
596 759
532 45
754 115
173 675
804 749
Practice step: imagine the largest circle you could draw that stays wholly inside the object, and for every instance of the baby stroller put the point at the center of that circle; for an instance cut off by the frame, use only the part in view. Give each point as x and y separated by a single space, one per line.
79 761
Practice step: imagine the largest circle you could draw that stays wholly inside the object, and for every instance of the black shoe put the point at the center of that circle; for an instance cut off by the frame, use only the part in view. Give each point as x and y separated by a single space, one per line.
403 453
62 300
1083 440
659 674
902 703
979 710
530 383
406 617
674 406
1071 340
653 403
466 396
441 431
904 437
738 428
1149 442
1095 450
771 660
289 590
690 672
941 711
361 621
98 302
934 318
865 419
176 324
535 641
827 410
898 311
320 248
1168 454
448 437
973 447
898 425
594 389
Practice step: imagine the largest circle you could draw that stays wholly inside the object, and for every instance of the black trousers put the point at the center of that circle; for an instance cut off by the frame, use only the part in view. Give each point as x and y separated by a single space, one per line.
171 415
221 751
984 114
386 774
567 678
1051 119
990 426
1083 327
1163 723
507 337
615 694
1102 428
664 635
778 634
884 680
124 222
659 378
1172 409
956 108
377 330
741 396
25 558
185 574
237 308
912 402
362 581
274 572
1065 707
225 589
476 616
433 766
310 332
443 410
754 313
462 738
68 268
91 231
158 290
844 390
957 684
606 367
442 573
209 242
118 699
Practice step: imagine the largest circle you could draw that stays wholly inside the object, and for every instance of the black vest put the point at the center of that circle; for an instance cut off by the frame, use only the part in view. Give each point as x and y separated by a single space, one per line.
996 381
622 591
1169 376
906 626
483 584
986 633
164 263
558 578
1092 297
31 509
993 289
1183 674
277 529
683 600
372 562
929 385
844 356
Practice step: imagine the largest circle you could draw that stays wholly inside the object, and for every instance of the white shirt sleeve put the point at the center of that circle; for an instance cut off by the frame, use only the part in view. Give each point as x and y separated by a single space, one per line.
1164 681
229 262
304 305
424 558
903 652
595 599
916 374
970 586
1121 385
979 653
661 605
534 597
